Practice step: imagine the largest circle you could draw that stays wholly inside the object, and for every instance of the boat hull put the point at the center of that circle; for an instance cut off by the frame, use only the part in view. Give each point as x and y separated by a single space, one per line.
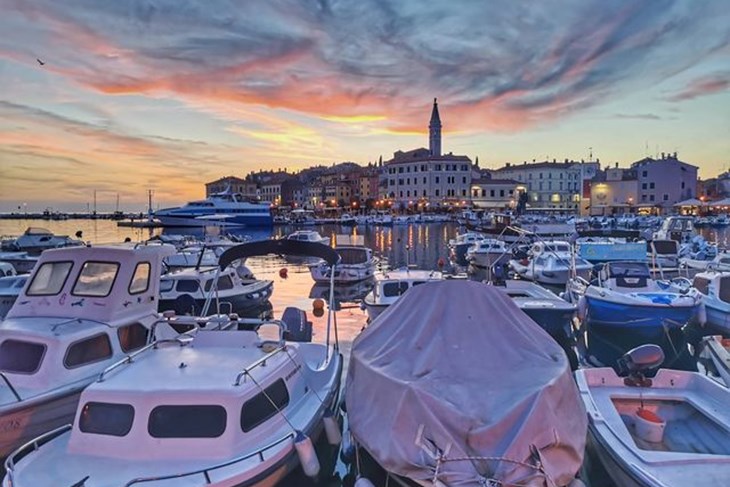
193 221
648 319
238 302
718 318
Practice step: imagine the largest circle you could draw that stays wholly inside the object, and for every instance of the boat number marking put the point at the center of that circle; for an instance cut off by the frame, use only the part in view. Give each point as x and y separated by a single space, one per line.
10 425
291 374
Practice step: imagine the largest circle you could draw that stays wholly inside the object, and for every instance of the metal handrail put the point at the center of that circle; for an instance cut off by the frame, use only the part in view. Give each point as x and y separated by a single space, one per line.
205 471
180 339
259 362
35 443
10 386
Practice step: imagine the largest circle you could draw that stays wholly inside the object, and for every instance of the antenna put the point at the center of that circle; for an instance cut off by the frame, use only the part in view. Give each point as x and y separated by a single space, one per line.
590 153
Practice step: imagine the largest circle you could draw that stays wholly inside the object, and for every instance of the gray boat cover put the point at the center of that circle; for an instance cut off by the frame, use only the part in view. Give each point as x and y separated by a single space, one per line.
455 369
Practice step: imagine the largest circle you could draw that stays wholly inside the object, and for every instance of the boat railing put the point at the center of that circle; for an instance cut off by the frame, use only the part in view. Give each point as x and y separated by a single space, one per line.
206 471
30 447
10 386
262 361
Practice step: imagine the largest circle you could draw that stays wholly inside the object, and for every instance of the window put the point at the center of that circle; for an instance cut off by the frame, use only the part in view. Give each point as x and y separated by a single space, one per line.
438 180
400 170
104 418
501 193
491 193
87 351
132 337
424 180
651 197
260 408
463 180
643 174
682 184
666 197
21 357
463 192
437 192
166 285
408 181
392 289
141 278
49 279
643 186
187 421
651 185
96 279
187 286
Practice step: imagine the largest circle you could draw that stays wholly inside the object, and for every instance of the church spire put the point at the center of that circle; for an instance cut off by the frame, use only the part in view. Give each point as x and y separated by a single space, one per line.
434 130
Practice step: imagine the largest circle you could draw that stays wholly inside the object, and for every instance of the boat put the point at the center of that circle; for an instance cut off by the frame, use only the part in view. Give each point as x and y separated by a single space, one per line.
623 307
308 236
196 291
551 263
421 405
715 290
678 228
716 349
347 220
390 285
21 261
35 240
357 262
720 262
488 253
83 309
226 208
553 314
10 287
240 407
663 255
344 293
458 246
665 431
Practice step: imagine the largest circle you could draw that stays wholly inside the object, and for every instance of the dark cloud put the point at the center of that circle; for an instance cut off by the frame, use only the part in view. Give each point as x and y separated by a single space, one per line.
637 116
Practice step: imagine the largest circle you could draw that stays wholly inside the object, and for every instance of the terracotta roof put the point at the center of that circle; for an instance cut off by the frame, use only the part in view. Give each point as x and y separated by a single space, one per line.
538 165
423 155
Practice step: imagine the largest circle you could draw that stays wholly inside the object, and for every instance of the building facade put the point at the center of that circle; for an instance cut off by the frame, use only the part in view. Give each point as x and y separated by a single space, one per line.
495 194
664 182
616 191
549 185
233 184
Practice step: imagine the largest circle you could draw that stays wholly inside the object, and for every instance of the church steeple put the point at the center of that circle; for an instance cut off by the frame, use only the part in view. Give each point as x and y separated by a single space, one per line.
434 130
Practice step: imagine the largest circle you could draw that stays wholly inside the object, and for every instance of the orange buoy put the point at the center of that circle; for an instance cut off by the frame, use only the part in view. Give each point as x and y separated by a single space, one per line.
283 272
440 262
318 304
648 415
318 312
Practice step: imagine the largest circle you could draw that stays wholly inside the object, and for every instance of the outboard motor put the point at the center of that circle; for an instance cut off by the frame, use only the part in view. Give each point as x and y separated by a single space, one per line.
636 362
298 329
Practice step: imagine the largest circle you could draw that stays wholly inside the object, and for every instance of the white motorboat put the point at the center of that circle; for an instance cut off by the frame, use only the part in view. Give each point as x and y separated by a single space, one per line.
420 403
347 220
7 270
459 245
226 208
219 409
21 261
673 429
678 228
488 253
308 236
717 350
357 263
233 290
721 262
391 285
35 240
715 290
83 309
10 288
552 263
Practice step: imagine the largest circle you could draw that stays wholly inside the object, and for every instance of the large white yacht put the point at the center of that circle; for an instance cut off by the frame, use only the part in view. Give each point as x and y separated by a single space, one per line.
226 208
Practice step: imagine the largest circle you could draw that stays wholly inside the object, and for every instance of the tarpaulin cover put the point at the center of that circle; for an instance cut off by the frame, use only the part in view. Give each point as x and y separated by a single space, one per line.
460 362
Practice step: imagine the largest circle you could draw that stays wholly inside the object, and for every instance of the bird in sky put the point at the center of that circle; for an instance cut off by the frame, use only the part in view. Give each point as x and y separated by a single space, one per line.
40 62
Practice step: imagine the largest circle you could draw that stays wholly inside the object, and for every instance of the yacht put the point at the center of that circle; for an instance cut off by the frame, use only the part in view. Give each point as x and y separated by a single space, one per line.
21 261
83 309
678 228
459 245
219 208
198 290
391 285
308 236
237 407
357 262
552 263
488 253
672 429
35 240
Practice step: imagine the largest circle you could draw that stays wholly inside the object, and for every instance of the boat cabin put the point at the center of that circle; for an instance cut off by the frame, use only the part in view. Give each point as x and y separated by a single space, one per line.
716 284
307 236
677 228
633 276
392 284
551 246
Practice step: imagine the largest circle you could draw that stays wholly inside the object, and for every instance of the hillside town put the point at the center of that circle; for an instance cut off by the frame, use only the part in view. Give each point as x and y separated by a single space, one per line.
428 179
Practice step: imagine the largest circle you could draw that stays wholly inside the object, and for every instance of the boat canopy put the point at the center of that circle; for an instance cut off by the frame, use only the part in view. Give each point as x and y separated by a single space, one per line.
464 375
281 246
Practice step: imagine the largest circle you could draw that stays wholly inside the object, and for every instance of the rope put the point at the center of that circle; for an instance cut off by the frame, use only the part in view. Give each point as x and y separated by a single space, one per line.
491 481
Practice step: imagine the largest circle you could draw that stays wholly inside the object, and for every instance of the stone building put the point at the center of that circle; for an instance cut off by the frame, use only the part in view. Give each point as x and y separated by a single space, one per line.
664 181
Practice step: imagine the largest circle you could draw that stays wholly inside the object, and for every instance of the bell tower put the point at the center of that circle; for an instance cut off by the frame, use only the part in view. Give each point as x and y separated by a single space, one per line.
434 130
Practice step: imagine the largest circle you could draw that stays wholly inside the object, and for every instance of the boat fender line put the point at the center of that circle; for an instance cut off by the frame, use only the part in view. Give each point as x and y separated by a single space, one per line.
307 454
363 482
582 308
332 428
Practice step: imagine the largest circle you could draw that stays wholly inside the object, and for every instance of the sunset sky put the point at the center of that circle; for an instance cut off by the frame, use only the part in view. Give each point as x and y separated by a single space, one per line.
169 94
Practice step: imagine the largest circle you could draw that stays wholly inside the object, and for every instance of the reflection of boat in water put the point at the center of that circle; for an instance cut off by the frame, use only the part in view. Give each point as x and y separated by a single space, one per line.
344 293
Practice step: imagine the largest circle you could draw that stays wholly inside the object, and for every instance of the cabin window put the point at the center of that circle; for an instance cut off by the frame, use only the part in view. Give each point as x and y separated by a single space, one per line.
132 337
187 286
701 284
417 283
224 283
724 293
49 279
188 421
141 278
392 289
260 408
105 418
166 285
96 279
19 357
87 351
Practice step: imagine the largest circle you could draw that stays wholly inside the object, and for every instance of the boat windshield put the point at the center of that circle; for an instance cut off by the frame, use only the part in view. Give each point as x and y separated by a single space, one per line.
629 269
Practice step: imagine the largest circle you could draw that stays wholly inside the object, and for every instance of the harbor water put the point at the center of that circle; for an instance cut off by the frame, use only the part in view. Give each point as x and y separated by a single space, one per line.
424 246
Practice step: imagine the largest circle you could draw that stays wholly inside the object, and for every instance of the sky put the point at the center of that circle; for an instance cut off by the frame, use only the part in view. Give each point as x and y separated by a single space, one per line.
170 94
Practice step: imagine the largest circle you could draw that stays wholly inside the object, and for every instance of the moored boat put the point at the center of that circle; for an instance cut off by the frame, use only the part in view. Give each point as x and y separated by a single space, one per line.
35 240
717 350
226 208
357 263
552 263
391 285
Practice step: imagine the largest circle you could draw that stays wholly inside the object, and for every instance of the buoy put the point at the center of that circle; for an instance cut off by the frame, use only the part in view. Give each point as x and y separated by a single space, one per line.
318 304
363 482
283 272
441 262
318 312
307 455
582 308
332 428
